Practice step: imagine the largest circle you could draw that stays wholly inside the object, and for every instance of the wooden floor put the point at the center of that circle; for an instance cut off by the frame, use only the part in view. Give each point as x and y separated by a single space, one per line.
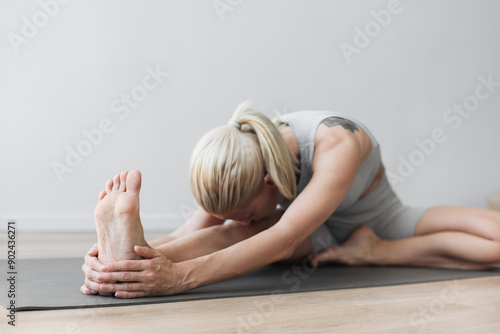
415 308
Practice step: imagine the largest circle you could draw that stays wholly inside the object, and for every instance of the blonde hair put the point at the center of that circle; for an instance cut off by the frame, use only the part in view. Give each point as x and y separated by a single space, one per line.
229 163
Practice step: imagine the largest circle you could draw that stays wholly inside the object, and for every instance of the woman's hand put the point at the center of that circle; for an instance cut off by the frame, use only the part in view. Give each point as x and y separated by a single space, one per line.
155 275
91 269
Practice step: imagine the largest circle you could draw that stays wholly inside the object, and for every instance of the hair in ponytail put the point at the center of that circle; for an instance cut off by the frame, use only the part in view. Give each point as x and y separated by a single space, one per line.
229 163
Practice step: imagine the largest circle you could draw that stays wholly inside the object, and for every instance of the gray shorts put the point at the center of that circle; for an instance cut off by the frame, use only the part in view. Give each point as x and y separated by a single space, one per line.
381 210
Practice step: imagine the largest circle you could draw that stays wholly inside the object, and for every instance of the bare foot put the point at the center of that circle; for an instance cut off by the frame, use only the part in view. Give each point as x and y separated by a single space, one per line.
117 219
358 250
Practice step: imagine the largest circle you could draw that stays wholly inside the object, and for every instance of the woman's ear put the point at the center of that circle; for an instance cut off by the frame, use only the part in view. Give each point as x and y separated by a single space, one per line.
268 180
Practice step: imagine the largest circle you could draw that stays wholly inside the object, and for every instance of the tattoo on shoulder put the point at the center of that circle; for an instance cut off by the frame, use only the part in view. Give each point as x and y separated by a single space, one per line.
345 123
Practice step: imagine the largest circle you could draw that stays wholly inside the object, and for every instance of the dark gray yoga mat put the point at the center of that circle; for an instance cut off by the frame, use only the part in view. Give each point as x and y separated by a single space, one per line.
47 284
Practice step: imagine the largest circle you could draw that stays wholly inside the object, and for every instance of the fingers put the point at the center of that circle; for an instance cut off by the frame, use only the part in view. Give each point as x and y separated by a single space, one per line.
93 250
92 282
147 252
92 286
87 291
126 294
105 284
90 273
121 276
129 287
96 287
126 265
93 263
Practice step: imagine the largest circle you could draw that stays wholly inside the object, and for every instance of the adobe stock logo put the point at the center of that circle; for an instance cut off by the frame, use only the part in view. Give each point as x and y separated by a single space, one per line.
122 107
454 117
30 28
225 6
372 29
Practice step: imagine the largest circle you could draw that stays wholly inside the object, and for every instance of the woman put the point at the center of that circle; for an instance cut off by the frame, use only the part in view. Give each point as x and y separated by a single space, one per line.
311 189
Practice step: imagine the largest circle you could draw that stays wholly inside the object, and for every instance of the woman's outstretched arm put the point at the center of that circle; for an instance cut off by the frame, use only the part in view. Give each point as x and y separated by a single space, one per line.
335 164
198 220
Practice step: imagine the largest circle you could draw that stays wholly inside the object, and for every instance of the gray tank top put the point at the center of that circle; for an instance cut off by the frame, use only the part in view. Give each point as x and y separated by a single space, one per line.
304 125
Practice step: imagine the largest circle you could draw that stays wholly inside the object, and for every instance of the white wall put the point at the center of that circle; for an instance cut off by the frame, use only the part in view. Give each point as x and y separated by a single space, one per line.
283 55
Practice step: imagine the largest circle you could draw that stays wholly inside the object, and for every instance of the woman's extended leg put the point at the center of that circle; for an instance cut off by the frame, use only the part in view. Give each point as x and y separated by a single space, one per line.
445 237
119 228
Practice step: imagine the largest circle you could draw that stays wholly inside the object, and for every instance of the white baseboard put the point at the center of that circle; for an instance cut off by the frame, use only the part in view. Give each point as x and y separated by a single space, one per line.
82 222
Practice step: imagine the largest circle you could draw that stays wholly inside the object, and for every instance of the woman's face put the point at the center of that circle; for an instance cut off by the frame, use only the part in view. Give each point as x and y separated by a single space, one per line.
259 208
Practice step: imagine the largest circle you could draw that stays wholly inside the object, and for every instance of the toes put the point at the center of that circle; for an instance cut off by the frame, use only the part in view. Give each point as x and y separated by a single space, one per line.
123 177
102 194
108 186
134 181
102 293
327 255
116 182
